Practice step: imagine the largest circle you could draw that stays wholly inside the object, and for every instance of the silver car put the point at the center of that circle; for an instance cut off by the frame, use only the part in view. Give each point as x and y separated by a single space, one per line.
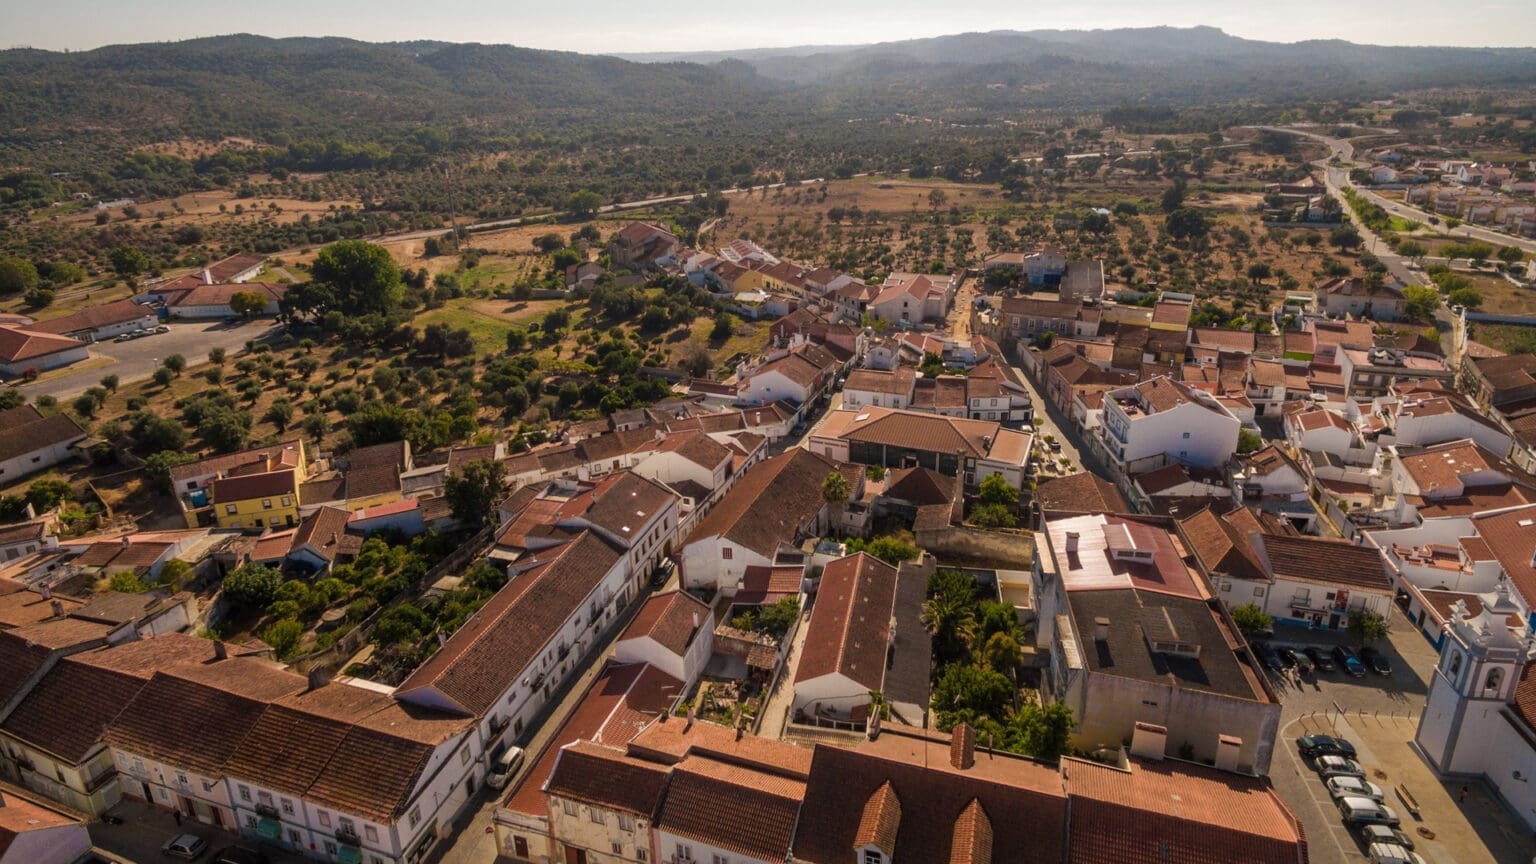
1338 766
1346 785
187 846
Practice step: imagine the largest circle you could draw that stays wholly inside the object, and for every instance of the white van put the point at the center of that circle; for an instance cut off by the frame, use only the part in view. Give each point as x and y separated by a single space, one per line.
505 768
1391 853
1359 811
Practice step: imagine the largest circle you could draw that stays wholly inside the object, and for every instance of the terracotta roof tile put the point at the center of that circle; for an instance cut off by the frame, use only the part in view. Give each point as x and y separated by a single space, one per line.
770 503
850 625
671 618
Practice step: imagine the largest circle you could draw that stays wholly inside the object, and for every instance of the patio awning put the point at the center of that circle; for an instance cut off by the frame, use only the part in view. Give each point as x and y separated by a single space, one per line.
269 828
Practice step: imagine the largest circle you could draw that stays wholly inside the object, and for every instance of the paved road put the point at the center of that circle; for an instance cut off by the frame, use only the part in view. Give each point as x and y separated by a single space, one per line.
138 359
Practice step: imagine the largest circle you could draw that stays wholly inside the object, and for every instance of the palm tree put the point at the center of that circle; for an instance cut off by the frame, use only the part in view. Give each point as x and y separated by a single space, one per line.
1003 653
834 488
948 619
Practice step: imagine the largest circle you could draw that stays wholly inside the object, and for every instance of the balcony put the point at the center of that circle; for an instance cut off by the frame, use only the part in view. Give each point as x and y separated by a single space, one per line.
268 811
347 836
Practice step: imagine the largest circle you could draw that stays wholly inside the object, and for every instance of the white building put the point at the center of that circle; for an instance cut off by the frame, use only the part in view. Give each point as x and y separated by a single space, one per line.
504 664
778 502
845 652
674 632
96 323
24 351
1477 719
1161 421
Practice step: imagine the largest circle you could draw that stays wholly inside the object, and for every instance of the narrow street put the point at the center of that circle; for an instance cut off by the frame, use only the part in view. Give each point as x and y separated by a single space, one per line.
473 839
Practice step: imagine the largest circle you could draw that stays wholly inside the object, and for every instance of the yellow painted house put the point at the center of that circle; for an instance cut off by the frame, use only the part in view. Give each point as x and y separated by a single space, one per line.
253 502
194 483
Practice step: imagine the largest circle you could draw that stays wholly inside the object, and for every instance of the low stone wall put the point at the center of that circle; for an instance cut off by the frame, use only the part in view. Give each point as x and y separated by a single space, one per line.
1009 549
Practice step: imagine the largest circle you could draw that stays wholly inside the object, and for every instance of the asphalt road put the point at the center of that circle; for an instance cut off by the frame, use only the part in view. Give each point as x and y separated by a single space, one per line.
138 359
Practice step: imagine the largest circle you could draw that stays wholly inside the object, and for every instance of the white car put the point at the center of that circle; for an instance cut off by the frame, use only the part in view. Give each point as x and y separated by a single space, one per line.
1341 786
1338 766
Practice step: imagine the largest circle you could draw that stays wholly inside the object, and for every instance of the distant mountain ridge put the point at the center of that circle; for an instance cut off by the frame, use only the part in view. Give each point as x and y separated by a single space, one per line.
335 87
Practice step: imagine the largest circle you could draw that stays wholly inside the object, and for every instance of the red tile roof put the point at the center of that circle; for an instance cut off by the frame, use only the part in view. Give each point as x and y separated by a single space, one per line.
850 627
1161 811
770 503
671 618
488 654
92 317
18 345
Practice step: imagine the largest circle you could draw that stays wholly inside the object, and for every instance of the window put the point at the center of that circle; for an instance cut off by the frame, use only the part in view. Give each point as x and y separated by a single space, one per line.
617 847
684 852
287 501
626 823
717 858
207 786
640 855
570 808
229 509
181 778
191 484
245 791
266 503
1186 435
725 552
250 821
287 807
1495 678
1259 591
325 819
1225 587
330 847
415 815
873 857
464 756
371 833
293 835
595 815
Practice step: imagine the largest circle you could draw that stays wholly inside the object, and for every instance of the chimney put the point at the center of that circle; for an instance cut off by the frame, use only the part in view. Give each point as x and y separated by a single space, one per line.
1149 741
58 608
1072 538
47 592
1101 629
318 678
126 544
696 621
1228 748
220 650
962 746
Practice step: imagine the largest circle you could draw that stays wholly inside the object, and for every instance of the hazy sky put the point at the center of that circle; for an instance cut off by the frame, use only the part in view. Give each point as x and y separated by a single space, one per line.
690 25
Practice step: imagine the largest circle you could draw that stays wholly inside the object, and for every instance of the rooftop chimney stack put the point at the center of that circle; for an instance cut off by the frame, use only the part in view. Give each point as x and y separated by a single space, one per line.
220 650
1149 741
962 747
47 592
1072 538
1101 629
1228 749
318 678
58 608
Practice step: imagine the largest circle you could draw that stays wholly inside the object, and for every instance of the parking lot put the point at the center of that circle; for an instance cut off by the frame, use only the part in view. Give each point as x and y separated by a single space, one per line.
1379 715
138 359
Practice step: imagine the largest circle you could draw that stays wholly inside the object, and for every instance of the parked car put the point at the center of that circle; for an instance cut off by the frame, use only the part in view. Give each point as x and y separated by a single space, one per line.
1376 661
1271 658
1304 663
1338 766
1312 746
122 337
1054 444
1372 834
1345 656
162 329
1342 787
1322 661
186 846
1287 657
505 768
1392 853
1359 811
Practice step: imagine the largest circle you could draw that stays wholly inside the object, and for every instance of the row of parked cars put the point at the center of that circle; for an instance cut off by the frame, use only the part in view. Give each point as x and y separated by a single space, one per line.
141 333
1361 803
1313 658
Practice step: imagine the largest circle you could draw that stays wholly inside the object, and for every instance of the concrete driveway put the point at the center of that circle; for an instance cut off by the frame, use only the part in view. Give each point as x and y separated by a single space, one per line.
138 359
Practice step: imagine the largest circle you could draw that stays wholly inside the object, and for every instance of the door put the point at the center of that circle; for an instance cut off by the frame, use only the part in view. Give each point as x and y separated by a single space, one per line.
575 856
1333 622
149 794
520 847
